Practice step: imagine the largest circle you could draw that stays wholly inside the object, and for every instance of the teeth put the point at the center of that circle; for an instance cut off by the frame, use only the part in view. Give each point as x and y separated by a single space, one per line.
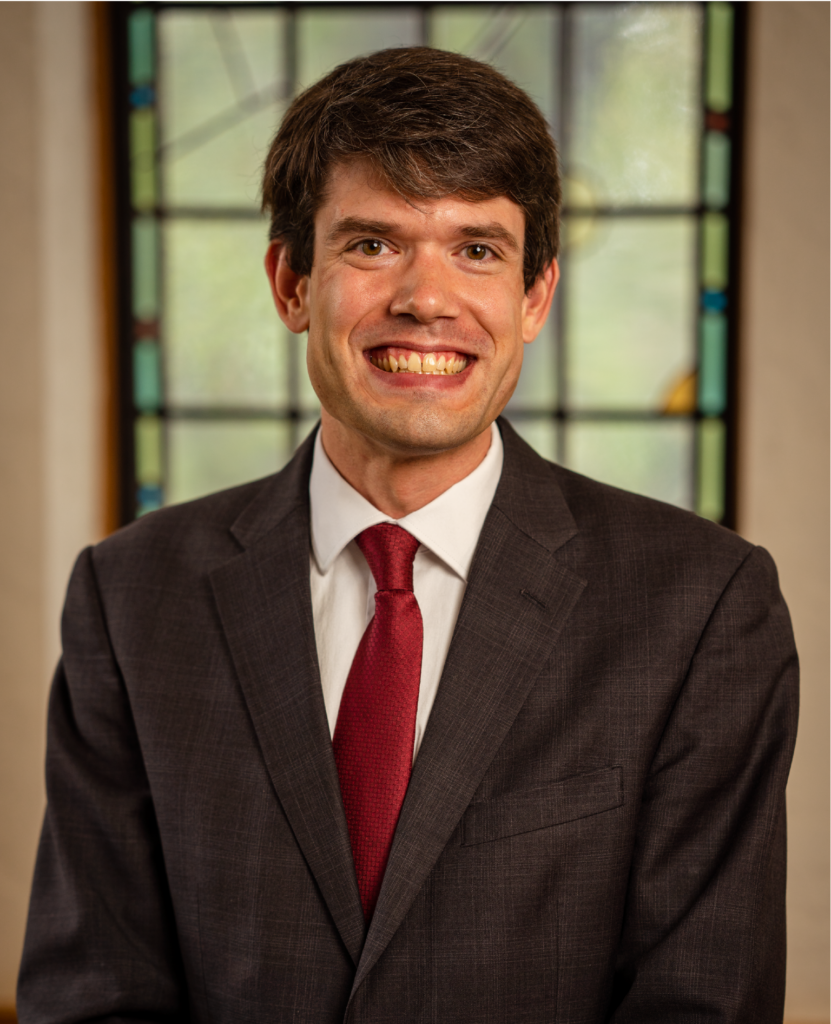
414 363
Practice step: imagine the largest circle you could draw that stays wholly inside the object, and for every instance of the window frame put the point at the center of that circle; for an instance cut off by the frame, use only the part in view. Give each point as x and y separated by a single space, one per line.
119 16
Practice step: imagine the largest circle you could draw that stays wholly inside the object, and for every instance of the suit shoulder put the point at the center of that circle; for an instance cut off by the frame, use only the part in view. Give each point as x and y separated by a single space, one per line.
195 531
640 523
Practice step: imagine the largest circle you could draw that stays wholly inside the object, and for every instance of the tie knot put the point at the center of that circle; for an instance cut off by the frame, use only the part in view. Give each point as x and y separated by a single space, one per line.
389 551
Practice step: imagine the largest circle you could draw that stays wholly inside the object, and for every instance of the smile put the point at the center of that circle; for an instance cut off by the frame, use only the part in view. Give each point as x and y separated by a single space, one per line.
407 360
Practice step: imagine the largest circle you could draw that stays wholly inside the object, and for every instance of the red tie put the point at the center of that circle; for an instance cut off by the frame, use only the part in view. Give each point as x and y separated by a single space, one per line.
375 730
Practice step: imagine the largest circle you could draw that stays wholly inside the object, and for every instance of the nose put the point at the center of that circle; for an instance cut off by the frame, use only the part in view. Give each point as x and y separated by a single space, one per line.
425 290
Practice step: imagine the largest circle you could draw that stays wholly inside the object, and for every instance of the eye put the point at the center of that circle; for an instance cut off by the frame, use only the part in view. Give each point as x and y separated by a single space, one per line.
476 251
370 247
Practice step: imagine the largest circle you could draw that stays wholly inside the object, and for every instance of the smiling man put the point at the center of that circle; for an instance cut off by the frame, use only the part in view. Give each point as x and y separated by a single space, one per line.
422 728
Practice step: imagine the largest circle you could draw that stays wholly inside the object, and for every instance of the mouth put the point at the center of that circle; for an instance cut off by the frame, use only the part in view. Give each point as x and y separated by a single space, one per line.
410 360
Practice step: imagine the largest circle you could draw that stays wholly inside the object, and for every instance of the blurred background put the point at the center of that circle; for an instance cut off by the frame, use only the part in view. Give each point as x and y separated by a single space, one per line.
686 356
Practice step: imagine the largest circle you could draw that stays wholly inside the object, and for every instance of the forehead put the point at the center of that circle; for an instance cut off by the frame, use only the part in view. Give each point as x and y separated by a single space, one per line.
356 191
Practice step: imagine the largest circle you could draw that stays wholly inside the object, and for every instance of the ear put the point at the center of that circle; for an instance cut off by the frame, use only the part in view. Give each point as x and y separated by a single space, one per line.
289 289
537 301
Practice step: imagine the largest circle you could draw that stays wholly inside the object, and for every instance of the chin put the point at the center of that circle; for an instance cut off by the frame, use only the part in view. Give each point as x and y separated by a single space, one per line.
422 431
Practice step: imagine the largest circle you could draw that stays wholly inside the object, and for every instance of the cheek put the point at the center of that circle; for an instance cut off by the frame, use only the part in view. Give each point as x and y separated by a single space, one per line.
499 311
343 300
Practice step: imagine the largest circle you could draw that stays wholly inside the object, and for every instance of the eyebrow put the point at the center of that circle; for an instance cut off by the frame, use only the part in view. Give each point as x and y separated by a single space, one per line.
494 230
356 226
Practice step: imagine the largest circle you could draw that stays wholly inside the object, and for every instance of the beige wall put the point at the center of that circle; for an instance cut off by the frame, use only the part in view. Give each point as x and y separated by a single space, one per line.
51 407
50 398
783 483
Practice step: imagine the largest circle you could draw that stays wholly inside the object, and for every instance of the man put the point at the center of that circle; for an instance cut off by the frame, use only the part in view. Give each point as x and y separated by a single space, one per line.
423 728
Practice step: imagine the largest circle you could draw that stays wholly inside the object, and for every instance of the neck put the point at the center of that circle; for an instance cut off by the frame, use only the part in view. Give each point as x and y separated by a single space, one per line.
398 484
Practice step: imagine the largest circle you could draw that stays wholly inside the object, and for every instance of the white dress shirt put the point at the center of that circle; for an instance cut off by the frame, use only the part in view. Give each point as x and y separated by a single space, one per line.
343 589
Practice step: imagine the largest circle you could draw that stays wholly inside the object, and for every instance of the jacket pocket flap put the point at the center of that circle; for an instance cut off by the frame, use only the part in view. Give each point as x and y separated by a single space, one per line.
551 804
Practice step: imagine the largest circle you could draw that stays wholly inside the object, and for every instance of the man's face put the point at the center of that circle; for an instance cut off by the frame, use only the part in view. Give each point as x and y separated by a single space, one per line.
417 312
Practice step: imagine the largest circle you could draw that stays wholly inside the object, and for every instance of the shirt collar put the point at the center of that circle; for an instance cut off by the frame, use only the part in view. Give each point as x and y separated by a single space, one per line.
449 525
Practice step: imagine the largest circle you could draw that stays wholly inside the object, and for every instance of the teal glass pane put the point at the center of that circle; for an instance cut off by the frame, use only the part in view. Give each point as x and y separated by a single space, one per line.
521 40
712 364
630 296
654 458
537 387
143 158
718 92
222 89
711 464
147 383
149 498
209 455
148 450
224 343
328 36
540 432
140 47
636 120
145 239
715 237
716 170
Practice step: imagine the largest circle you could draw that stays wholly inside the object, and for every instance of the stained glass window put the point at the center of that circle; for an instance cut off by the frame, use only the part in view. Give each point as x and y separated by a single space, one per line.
631 379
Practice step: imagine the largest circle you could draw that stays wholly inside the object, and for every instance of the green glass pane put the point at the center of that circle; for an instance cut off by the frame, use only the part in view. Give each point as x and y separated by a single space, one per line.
540 432
537 387
712 368
224 343
222 88
209 455
719 86
630 312
328 36
636 120
655 459
145 268
716 170
715 235
711 461
147 384
522 40
140 43
143 158
148 449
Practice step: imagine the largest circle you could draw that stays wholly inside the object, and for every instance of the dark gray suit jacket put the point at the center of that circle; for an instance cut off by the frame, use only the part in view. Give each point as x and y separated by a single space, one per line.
595 824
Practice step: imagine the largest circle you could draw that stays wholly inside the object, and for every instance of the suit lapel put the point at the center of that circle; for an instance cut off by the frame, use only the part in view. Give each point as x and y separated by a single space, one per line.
517 600
264 603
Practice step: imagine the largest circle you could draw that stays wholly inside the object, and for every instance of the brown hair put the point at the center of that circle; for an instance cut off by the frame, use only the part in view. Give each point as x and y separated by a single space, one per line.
433 124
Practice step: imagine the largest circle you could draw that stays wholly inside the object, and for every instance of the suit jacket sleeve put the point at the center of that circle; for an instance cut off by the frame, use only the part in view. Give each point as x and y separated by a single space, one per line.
704 930
101 936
